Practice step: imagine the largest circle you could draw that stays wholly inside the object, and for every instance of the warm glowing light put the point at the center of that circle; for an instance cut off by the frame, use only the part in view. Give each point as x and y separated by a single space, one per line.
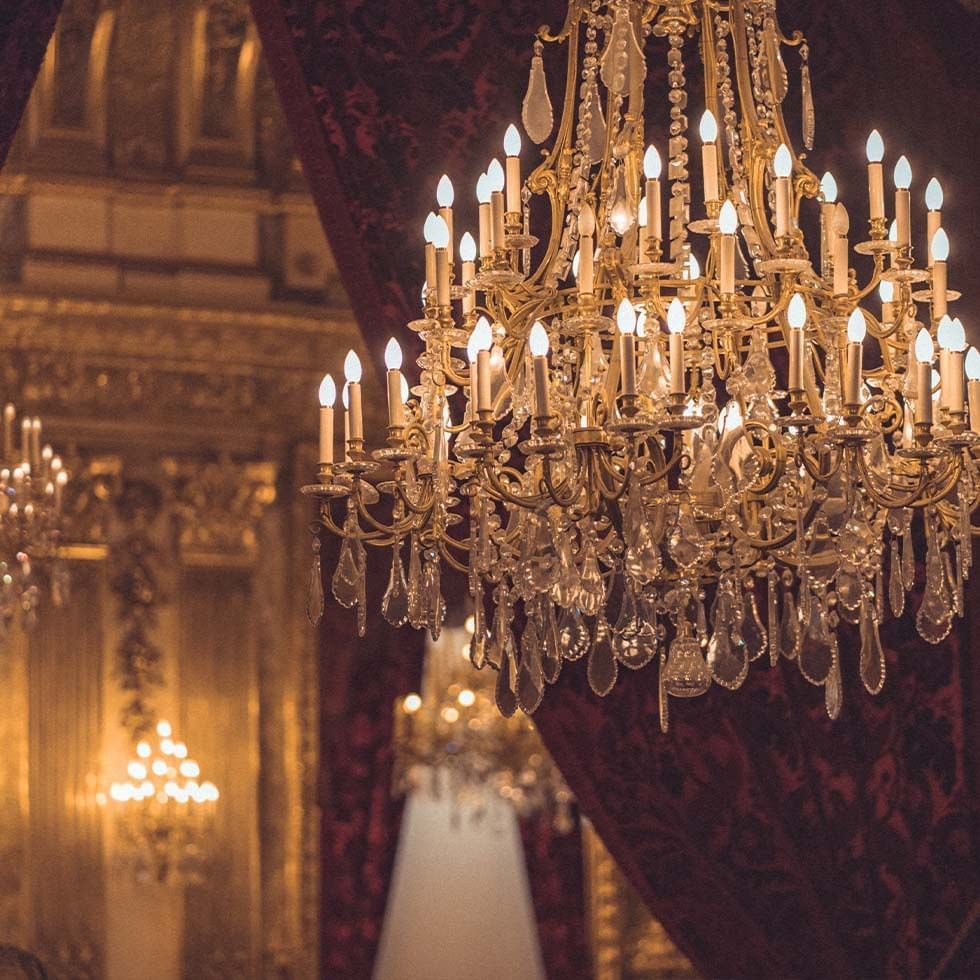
586 220
538 340
886 290
445 192
143 750
352 367
842 220
709 127
393 355
626 317
440 233
676 316
136 770
934 195
429 228
940 246
328 391
903 174
828 187
512 141
973 364
893 232
404 389
450 715
641 322
467 248
782 162
164 730
480 339
483 189
728 219
495 175
652 164
924 349
466 698
412 703
796 313
693 267
857 328
345 396
876 147
642 215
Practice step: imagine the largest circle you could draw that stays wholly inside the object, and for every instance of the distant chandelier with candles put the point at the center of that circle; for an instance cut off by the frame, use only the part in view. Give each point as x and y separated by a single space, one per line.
734 486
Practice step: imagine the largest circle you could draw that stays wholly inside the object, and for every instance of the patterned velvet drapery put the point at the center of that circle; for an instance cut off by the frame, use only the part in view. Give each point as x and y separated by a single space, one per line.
25 29
769 841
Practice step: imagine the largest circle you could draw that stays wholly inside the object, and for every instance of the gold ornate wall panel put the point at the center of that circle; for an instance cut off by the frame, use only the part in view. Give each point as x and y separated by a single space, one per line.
67 873
219 710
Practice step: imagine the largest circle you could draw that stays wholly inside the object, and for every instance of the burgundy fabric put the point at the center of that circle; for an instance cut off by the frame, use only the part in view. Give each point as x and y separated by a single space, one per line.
25 29
361 820
556 876
769 841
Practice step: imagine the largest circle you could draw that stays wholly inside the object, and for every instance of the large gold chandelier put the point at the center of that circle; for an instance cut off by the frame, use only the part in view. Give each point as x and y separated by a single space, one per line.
649 456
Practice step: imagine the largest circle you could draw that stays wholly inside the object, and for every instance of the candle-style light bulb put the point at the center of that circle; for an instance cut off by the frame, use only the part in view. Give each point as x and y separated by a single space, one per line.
693 267
445 193
345 396
393 356
495 176
934 195
828 188
355 420
483 189
626 317
857 327
467 248
875 147
951 334
512 141
924 349
652 164
352 367
440 232
940 246
676 316
886 291
538 340
404 391
328 392
728 219
676 321
796 312
782 163
429 228
973 364
708 127
903 174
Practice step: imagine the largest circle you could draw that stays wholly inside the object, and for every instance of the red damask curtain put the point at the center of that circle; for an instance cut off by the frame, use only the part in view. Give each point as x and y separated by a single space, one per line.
25 29
770 842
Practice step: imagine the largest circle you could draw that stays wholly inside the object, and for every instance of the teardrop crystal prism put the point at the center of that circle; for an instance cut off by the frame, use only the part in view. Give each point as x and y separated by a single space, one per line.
935 616
754 634
314 594
592 594
345 577
896 586
530 678
817 646
602 668
872 655
790 633
536 113
394 605
773 612
833 692
551 644
597 122
615 59
809 114
686 674
506 687
634 638
727 657
415 613
573 634
566 588
662 699
642 559
776 69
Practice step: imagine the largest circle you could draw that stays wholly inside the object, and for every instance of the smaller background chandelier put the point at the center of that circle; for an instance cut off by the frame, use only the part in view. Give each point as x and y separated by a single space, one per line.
452 739
163 810
32 483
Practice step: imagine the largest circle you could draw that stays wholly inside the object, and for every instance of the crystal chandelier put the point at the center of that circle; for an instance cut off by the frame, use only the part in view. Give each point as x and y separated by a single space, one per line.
450 739
651 456
32 484
163 810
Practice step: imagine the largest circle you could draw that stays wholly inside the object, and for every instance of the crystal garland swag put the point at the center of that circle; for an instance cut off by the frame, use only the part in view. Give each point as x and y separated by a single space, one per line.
733 487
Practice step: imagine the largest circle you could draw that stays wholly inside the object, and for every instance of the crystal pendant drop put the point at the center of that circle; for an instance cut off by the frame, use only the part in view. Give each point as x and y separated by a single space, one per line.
566 588
789 627
537 114
394 605
727 656
551 652
530 677
775 68
415 607
602 670
686 674
573 634
833 692
773 612
642 559
591 594
896 586
345 577
935 616
754 634
314 595
506 688
872 655
634 638
809 114
663 700
615 59
597 123
817 646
